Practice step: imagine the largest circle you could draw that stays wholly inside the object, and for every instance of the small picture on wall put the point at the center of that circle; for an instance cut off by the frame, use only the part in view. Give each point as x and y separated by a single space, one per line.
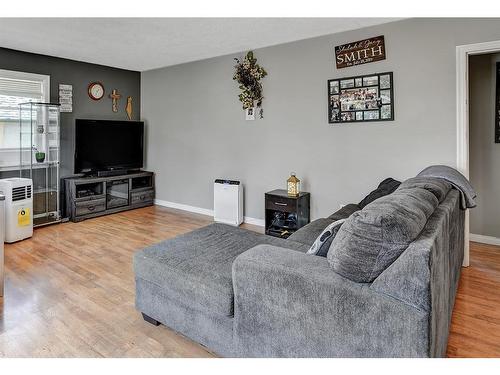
385 112
385 81
361 99
346 84
385 96
250 114
334 115
334 87
370 81
334 101
348 116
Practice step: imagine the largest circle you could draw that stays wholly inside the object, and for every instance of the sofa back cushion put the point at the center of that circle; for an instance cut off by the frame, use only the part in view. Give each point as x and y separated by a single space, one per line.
436 186
344 212
371 239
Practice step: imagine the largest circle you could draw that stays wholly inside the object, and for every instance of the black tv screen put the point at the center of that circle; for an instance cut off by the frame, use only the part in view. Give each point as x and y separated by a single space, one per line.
102 145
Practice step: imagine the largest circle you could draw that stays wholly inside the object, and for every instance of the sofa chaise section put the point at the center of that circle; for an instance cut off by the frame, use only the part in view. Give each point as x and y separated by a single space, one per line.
186 282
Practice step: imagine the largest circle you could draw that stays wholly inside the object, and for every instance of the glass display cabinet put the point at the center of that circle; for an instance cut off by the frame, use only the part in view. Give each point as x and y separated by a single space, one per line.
39 158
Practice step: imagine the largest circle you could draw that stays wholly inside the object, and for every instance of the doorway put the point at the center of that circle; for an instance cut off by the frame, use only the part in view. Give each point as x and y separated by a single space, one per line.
463 116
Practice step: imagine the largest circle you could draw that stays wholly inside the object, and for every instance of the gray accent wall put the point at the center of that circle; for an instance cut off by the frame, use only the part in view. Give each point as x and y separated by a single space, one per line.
78 74
484 161
197 130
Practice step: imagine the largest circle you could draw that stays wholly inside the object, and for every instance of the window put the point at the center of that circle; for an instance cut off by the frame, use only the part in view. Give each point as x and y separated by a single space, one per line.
15 88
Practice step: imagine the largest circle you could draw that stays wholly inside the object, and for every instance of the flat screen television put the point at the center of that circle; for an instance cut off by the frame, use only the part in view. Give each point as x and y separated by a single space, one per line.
102 145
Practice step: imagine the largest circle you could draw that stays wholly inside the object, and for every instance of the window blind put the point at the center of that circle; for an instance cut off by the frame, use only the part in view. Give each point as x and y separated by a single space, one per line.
16 89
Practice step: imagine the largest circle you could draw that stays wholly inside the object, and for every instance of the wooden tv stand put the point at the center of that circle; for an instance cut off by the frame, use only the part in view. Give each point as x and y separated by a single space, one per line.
88 197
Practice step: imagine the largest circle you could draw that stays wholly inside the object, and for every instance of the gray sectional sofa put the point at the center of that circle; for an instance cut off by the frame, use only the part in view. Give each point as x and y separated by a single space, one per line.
244 294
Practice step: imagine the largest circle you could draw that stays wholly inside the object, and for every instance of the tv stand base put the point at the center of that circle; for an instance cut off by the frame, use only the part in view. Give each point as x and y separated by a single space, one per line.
88 197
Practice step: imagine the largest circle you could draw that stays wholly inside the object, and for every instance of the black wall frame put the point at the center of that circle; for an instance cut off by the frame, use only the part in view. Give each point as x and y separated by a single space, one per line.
365 98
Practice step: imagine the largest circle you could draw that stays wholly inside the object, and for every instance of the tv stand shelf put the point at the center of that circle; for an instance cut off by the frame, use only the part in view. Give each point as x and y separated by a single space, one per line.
88 197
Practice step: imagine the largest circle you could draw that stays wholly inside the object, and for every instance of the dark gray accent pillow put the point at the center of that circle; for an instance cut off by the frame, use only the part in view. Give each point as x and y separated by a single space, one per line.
386 187
436 186
371 239
322 244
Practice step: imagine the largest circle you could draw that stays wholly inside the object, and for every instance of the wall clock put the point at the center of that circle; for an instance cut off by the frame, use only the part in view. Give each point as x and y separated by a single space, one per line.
96 90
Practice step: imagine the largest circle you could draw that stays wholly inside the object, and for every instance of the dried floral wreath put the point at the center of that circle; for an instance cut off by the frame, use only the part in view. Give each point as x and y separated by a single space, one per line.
248 74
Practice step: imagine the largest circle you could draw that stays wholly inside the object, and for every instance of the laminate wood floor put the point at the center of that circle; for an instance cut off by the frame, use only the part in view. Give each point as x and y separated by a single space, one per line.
70 292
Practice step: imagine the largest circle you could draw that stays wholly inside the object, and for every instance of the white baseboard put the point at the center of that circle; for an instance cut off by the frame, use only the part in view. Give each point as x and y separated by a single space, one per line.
184 207
203 211
253 221
484 239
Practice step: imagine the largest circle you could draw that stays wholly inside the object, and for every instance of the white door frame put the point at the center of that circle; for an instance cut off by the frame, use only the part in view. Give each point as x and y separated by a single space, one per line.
462 81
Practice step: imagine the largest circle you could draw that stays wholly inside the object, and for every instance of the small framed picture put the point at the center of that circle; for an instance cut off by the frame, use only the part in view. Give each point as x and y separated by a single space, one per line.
385 96
372 115
370 81
335 115
347 83
334 87
385 81
334 101
250 114
386 112
348 116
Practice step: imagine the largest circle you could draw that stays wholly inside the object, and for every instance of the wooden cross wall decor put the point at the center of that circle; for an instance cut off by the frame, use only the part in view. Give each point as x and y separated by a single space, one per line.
114 96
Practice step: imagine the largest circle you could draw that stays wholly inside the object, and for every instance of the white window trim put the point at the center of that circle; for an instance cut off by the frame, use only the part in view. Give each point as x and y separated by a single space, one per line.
44 79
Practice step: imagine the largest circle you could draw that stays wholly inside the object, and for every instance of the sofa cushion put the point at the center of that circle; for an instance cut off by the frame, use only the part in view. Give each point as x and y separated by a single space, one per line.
386 187
436 186
196 268
322 244
371 239
308 233
345 211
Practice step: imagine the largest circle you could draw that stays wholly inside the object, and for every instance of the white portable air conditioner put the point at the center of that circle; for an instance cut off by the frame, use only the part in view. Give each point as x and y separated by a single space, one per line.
18 208
228 202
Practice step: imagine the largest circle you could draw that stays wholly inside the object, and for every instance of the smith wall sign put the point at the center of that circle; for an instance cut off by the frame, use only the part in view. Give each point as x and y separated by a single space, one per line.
360 52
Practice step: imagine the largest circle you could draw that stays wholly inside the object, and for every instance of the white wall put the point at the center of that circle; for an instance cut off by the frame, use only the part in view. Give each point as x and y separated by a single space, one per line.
196 129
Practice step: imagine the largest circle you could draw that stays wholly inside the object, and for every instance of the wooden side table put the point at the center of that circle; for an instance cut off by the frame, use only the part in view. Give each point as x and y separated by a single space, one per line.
285 214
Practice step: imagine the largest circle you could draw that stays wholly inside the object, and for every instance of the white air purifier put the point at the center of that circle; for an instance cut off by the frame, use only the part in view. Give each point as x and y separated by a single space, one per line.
228 202
18 194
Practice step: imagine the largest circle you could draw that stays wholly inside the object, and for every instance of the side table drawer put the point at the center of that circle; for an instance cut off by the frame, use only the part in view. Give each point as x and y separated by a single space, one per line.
142 196
280 204
90 206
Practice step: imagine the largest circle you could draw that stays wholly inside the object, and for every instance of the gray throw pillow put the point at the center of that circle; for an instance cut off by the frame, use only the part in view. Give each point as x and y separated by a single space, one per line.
371 239
322 244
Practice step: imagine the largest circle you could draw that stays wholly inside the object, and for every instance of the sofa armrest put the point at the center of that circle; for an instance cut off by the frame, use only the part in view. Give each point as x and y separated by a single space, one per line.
291 304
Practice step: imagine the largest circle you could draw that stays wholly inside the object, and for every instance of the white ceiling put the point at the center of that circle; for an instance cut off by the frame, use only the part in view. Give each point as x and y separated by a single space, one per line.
149 43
